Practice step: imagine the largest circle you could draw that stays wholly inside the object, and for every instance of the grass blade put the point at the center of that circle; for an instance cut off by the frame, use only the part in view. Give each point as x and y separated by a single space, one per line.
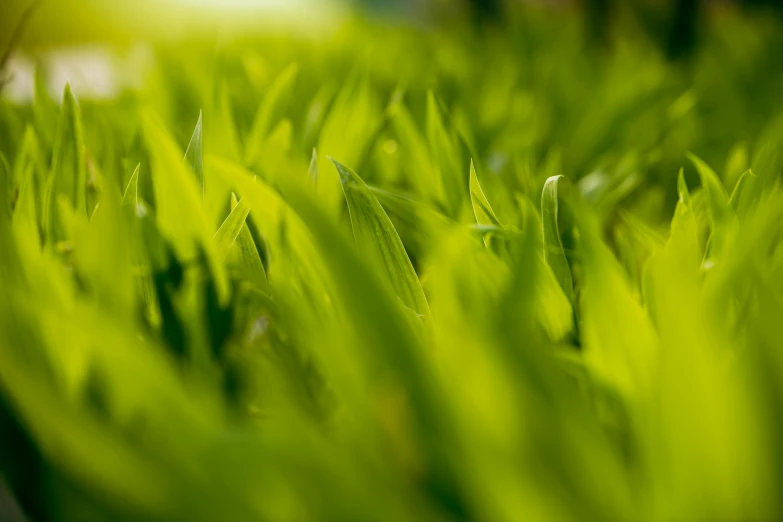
375 234
245 253
481 207
227 233
194 154
68 177
177 196
271 107
554 253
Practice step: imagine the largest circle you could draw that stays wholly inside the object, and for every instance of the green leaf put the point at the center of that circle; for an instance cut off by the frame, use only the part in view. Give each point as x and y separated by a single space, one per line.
194 155
445 156
6 189
103 257
481 207
721 214
620 343
418 166
67 178
44 110
743 194
141 253
227 233
376 235
347 133
717 198
30 159
269 211
312 169
245 253
220 129
418 224
554 253
271 107
178 208
25 219
551 306
131 194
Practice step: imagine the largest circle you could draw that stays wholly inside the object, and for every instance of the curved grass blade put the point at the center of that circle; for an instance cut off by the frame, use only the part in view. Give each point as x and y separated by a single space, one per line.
552 307
554 253
245 253
743 193
718 199
131 196
312 170
375 234
227 233
481 207
194 154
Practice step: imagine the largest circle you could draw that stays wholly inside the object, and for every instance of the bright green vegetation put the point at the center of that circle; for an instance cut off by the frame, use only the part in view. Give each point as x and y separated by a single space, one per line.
401 276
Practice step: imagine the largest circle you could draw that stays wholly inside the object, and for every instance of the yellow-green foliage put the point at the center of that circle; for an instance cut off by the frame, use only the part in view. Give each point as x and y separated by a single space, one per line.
400 276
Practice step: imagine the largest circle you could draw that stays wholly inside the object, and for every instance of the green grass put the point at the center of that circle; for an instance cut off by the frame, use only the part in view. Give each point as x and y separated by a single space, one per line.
399 275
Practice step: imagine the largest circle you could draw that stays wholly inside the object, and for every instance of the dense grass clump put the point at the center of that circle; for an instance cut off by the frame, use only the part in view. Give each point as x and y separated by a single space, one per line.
394 275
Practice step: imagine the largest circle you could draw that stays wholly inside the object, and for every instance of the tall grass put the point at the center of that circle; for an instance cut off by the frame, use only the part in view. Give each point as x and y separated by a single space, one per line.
399 275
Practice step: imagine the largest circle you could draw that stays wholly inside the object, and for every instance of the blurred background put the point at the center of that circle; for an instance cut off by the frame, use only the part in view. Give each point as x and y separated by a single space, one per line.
105 48
71 38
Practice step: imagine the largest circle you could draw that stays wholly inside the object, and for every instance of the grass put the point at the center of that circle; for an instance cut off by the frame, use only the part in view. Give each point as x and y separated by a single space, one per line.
400 275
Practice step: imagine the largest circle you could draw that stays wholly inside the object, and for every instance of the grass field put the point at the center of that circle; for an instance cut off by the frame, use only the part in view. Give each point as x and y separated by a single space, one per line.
398 273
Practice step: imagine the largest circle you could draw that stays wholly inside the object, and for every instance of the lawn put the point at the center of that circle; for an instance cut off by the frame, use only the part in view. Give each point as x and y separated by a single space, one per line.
393 272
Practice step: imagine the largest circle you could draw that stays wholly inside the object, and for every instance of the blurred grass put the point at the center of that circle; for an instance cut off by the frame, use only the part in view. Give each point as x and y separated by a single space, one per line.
398 273
80 22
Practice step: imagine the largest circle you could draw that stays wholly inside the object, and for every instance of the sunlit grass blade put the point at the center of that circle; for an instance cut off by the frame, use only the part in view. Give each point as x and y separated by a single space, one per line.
554 253
481 207
269 211
245 253
194 154
743 194
230 229
376 235
177 195
103 255
312 169
551 306
619 341
131 194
